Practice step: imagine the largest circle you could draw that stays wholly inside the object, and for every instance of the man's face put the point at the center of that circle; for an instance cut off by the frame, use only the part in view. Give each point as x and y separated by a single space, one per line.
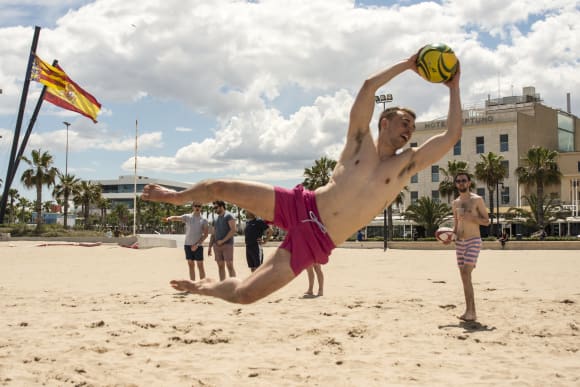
218 209
462 183
401 127
196 208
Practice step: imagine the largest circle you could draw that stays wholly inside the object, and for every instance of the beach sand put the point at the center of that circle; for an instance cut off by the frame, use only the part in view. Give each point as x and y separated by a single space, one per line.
104 316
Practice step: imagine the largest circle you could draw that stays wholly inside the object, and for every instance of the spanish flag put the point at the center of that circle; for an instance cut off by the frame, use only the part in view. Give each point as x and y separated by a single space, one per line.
63 91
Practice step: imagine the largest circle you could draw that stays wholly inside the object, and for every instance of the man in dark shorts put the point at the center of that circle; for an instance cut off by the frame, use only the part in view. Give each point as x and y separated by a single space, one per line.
254 238
196 230
368 176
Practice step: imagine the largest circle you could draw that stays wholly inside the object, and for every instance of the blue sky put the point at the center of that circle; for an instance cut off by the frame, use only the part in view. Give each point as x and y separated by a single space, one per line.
260 89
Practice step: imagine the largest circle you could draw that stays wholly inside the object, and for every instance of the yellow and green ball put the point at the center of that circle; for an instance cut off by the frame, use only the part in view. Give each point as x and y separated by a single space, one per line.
437 62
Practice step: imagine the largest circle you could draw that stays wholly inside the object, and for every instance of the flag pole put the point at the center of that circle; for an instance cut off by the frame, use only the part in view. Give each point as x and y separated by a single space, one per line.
135 182
11 171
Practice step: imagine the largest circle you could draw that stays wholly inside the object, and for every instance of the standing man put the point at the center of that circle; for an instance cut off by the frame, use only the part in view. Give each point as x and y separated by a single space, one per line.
254 238
469 213
311 271
196 230
369 174
222 240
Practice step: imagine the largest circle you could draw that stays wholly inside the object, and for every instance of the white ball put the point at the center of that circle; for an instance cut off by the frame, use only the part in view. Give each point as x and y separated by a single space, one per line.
444 234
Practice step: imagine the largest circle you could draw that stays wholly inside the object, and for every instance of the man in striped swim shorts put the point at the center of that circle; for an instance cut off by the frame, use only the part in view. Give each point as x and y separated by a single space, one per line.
469 213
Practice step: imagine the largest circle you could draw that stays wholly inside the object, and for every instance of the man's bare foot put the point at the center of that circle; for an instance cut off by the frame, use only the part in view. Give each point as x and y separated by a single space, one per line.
158 193
467 317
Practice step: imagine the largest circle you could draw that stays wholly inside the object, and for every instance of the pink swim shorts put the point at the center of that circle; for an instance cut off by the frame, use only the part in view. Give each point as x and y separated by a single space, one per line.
307 239
467 251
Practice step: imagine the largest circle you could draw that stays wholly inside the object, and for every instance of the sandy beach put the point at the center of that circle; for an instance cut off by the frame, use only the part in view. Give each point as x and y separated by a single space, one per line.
105 316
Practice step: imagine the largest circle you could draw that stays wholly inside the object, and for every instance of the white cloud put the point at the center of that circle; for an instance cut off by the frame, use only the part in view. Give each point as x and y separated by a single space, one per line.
232 61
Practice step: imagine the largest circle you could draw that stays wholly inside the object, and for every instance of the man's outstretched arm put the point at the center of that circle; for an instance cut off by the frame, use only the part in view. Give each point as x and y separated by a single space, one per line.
436 147
364 104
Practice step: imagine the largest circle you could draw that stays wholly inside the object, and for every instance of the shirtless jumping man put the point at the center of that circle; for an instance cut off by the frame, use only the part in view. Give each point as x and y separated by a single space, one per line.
369 172
469 213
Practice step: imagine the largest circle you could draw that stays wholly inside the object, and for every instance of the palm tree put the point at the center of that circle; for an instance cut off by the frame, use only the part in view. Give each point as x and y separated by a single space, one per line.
428 213
104 205
491 171
319 174
88 194
447 186
42 173
24 205
12 196
550 211
68 187
399 200
540 168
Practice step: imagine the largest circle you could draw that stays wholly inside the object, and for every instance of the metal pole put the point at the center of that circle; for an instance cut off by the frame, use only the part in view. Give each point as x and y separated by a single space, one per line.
384 99
66 155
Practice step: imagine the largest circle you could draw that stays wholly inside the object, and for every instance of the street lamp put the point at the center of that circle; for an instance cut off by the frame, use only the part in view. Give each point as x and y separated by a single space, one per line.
384 99
66 156
497 202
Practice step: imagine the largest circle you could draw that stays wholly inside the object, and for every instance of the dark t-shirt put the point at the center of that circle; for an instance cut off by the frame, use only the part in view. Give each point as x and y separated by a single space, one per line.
254 229
222 228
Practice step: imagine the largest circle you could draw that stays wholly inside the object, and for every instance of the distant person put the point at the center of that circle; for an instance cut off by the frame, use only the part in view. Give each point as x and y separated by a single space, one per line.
196 230
222 240
503 239
369 174
311 271
469 212
359 236
254 238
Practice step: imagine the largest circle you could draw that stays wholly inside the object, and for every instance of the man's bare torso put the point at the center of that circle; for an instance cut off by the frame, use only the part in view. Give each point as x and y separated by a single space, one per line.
466 229
362 185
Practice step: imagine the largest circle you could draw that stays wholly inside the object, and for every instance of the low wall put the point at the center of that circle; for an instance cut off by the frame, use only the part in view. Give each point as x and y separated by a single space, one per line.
487 245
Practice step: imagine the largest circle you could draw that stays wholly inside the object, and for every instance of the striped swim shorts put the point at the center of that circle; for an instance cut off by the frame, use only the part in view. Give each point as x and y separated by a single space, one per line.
467 251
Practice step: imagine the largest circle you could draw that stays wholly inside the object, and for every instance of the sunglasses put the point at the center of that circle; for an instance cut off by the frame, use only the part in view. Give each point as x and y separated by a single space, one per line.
461 181
197 205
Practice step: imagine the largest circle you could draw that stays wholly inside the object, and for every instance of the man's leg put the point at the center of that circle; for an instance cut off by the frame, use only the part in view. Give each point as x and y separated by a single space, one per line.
310 272
258 198
469 314
201 269
221 269
191 265
231 269
269 277
320 278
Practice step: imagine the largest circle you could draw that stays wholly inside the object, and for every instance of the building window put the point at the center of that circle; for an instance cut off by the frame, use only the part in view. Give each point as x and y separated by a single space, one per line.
505 195
578 166
435 196
503 143
565 133
414 196
506 166
481 192
479 145
435 173
415 178
457 148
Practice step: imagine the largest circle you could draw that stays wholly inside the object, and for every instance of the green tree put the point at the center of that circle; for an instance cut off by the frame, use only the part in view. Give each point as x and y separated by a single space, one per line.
551 211
428 213
68 188
104 205
24 206
12 196
319 174
447 186
88 194
399 200
491 171
540 169
40 174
